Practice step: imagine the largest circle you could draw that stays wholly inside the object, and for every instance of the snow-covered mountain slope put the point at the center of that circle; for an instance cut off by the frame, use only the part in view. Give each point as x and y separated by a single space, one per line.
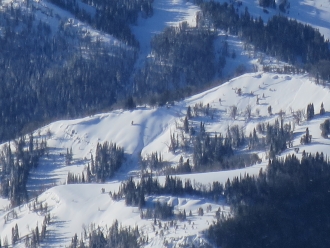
146 129
313 12
171 13
166 13
73 207
55 16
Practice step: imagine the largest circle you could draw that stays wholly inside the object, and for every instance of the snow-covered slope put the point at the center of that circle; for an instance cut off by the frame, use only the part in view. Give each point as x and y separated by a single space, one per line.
166 13
74 206
313 12
146 130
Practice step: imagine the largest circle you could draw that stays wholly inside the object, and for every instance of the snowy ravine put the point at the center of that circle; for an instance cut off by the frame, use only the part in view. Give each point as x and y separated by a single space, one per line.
74 207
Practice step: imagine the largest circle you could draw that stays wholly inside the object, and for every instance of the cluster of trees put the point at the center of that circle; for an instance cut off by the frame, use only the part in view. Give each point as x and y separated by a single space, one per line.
134 192
215 152
15 167
77 178
47 75
310 111
284 206
269 209
280 37
267 3
109 157
14 234
114 236
181 168
31 240
209 150
34 239
158 211
182 57
277 137
306 138
39 207
325 128
152 161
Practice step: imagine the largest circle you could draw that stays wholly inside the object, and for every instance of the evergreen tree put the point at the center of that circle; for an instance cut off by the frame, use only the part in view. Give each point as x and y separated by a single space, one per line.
130 104
186 125
325 128
189 113
270 110
322 110
310 111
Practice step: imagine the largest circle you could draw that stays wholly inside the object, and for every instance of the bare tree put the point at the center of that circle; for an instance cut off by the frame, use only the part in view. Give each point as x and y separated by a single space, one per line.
281 114
299 116
257 112
248 111
233 112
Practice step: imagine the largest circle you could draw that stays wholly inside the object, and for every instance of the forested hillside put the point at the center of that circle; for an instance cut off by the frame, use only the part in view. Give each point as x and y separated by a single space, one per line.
209 128
284 206
49 75
66 72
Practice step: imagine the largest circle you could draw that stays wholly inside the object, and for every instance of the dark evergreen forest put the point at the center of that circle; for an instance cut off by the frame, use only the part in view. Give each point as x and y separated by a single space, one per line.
183 58
65 74
109 157
288 40
286 206
16 167
112 16
47 76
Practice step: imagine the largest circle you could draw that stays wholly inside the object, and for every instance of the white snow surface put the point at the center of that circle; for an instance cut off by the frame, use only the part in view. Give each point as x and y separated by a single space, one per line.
313 12
75 206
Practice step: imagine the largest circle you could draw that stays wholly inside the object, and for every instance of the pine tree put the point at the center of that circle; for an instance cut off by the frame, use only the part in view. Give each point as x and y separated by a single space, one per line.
16 232
325 128
189 113
322 110
13 237
270 110
186 125
310 111
307 136
37 235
